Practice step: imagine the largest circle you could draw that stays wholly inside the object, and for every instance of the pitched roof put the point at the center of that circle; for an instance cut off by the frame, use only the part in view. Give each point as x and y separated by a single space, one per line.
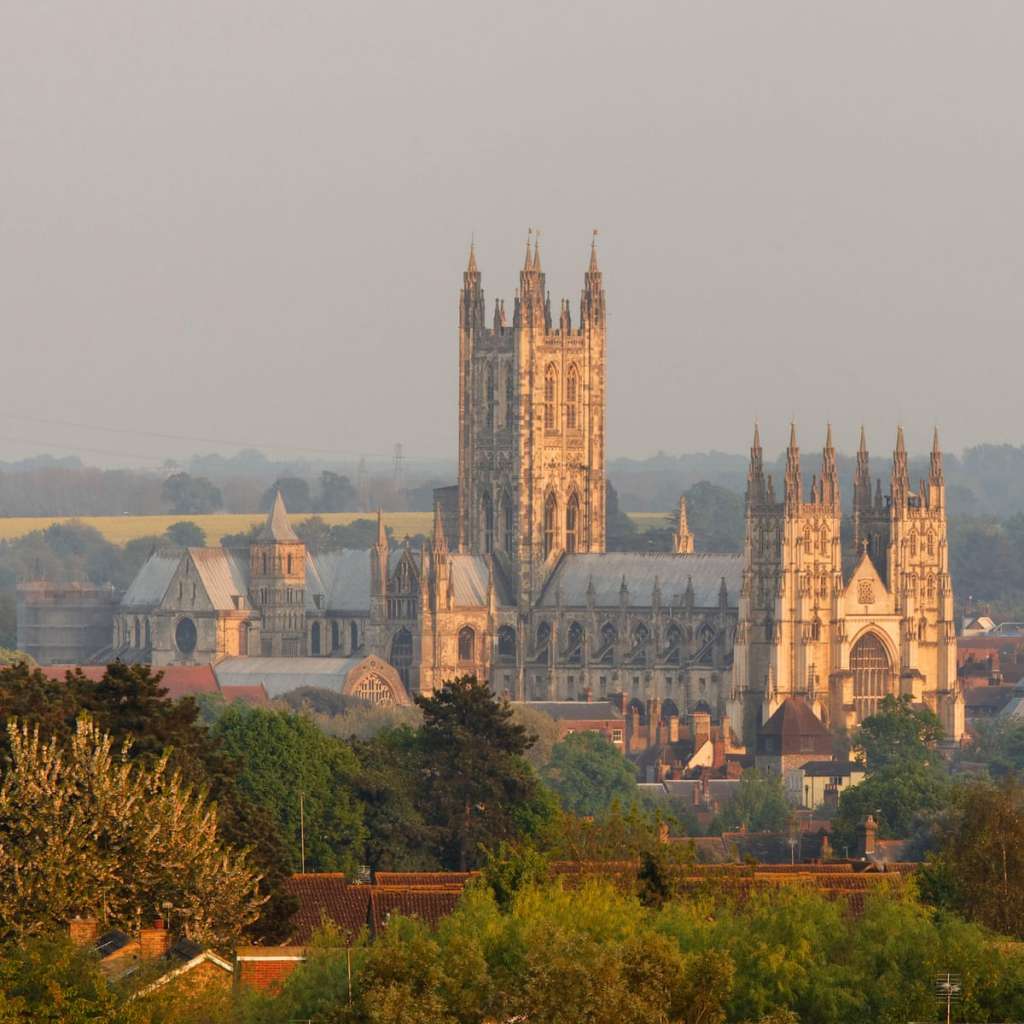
224 575
255 694
277 526
577 710
469 580
281 675
429 905
794 720
574 573
152 580
827 769
178 680
327 898
342 577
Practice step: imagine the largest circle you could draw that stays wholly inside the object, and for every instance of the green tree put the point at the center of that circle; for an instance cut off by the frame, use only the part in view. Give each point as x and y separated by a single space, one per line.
282 755
336 493
295 491
759 805
185 534
587 773
898 733
188 496
906 783
475 779
979 870
88 831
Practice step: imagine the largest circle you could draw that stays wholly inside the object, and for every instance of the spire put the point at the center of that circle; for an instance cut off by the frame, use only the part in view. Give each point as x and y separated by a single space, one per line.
528 262
440 543
793 482
829 471
900 481
592 299
593 268
683 537
935 474
277 526
471 268
862 475
536 252
382 535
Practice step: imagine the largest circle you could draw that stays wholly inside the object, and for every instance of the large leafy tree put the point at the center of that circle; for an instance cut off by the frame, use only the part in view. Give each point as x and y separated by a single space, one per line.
129 703
86 831
189 495
907 783
476 783
282 756
588 773
979 869
759 805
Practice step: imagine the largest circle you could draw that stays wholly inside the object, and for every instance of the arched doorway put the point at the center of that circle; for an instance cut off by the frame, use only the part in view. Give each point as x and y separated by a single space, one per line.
872 675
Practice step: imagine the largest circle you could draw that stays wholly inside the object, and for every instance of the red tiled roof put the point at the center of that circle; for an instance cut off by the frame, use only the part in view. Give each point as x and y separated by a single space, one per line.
327 898
178 680
423 879
255 695
429 905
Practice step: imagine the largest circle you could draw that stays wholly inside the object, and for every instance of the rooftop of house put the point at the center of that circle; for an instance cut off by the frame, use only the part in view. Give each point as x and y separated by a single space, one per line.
577 710
796 730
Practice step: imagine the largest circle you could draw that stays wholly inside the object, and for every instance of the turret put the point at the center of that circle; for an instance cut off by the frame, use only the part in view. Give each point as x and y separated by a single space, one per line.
532 299
756 489
683 537
794 486
592 297
829 473
936 478
900 480
471 306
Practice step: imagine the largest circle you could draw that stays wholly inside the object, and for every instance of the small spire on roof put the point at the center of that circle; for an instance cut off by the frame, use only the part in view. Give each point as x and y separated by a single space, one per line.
593 268
863 441
471 269
382 536
536 251
528 262
277 526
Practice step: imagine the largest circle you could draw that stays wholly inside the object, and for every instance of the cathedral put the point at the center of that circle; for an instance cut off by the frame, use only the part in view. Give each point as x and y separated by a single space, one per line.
515 584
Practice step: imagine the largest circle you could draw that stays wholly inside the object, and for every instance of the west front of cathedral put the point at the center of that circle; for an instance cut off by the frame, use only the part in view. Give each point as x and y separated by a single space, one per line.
515 584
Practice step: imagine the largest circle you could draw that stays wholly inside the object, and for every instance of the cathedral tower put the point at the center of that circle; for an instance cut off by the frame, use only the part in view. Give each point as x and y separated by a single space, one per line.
531 424
277 584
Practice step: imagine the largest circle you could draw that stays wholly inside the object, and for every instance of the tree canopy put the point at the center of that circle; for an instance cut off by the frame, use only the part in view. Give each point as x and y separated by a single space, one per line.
588 773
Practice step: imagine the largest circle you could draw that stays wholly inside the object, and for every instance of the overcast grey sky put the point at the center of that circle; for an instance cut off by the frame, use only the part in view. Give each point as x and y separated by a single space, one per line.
244 220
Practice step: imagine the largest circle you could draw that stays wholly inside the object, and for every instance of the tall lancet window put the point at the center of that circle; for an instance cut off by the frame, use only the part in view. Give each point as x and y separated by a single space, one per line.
572 389
510 398
509 511
572 519
550 397
488 510
489 397
550 524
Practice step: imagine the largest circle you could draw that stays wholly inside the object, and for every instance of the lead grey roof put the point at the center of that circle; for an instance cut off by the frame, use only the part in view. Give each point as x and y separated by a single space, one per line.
281 675
343 577
469 579
152 580
640 569
223 574
577 710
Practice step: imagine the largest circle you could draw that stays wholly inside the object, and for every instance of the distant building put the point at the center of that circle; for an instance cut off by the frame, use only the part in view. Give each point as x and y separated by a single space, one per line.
571 716
64 622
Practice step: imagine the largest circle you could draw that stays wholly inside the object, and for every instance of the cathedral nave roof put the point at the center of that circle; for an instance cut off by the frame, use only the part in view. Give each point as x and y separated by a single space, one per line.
574 573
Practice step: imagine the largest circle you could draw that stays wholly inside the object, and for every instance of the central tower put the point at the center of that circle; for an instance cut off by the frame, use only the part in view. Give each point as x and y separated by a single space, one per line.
531 425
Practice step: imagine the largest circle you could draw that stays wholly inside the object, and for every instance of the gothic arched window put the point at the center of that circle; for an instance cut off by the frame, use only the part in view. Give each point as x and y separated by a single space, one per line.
609 635
572 388
576 637
872 675
675 644
507 643
488 511
401 654
550 524
509 511
467 644
550 397
489 397
510 398
572 518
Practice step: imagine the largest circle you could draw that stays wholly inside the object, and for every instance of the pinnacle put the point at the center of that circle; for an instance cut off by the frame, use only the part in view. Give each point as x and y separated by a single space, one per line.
936 450
828 438
863 441
593 268
277 526
527 265
536 252
792 435
471 268
382 537
900 443
757 435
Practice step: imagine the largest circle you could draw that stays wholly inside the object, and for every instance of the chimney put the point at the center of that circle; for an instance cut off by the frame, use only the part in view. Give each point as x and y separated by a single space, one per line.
866 837
83 931
154 942
673 728
700 727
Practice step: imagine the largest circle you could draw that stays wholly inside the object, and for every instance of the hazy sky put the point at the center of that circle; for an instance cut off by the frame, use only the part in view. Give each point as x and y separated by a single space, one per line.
247 221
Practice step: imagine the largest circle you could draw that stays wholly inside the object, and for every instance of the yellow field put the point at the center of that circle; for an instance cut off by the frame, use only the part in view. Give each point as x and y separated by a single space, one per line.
121 529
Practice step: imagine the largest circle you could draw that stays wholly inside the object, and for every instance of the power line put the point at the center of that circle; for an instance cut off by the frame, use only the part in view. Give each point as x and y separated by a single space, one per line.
248 443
